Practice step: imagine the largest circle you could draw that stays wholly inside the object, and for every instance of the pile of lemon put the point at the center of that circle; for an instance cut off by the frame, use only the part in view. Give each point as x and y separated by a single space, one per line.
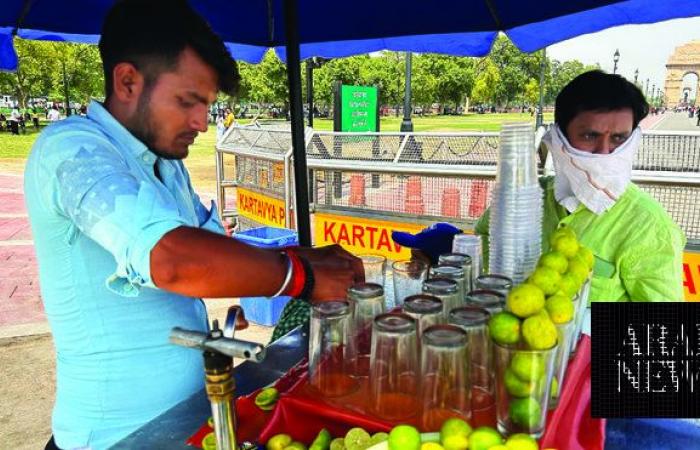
533 311
545 299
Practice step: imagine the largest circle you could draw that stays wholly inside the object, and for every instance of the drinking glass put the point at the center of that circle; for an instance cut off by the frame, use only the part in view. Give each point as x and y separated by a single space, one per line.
408 279
446 290
561 361
394 370
375 268
459 260
331 349
453 273
523 379
445 384
494 282
368 302
492 301
426 310
474 321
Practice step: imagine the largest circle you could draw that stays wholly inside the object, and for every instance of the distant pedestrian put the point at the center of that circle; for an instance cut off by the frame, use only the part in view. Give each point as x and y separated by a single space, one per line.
697 114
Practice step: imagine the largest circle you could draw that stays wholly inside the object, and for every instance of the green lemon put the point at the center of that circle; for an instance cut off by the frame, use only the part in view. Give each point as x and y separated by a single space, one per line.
527 366
539 333
338 444
404 437
295 445
517 387
454 434
498 447
569 285
560 308
279 442
322 440
525 300
546 279
587 256
267 397
484 438
357 439
431 446
578 268
504 328
209 442
378 437
566 245
521 441
555 261
562 231
525 412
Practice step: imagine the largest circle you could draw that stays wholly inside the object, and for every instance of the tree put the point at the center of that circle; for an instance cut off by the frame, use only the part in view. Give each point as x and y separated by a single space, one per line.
486 83
266 82
33 77
561 74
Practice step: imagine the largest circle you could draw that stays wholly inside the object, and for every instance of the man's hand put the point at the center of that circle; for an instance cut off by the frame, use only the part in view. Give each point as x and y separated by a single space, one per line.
335 270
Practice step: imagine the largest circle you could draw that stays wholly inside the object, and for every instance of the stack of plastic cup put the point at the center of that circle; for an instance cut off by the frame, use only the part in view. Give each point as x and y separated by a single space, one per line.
516 206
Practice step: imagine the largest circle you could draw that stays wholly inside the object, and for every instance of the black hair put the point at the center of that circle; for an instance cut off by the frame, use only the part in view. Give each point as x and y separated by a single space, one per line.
151 35
598 91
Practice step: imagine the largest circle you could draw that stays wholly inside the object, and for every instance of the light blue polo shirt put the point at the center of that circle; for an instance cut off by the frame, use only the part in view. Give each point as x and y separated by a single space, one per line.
96 210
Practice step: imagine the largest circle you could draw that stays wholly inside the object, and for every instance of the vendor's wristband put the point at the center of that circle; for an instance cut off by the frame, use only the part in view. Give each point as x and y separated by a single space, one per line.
298 281
310 281
287 277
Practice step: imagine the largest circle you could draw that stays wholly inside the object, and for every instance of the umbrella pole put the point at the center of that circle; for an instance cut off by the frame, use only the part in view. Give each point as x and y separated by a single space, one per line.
301 190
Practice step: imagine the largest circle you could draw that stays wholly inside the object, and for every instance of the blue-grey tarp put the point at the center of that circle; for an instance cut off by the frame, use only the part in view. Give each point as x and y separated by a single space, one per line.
343 28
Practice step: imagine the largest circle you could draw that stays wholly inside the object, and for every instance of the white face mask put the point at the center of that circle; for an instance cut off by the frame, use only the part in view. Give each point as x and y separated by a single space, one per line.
596 180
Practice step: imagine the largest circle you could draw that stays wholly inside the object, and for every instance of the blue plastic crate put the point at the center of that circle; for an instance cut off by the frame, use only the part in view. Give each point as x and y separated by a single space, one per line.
268 237
263 310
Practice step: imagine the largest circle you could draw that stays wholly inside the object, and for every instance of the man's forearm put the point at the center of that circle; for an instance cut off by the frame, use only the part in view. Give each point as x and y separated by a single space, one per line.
198 263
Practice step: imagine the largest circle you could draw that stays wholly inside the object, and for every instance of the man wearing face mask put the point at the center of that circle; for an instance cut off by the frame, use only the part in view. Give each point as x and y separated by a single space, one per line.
638 248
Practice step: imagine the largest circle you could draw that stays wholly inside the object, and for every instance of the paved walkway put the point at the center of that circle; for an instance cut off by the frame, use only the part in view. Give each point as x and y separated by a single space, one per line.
672 121
21 310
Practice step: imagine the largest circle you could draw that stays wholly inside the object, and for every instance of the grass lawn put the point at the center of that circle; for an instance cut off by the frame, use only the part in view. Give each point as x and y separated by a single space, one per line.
201 162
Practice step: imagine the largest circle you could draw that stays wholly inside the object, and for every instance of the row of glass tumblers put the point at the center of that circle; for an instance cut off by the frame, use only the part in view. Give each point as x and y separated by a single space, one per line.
390 366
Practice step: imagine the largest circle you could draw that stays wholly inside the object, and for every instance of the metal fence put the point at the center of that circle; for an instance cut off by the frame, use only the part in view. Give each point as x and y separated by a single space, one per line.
430 176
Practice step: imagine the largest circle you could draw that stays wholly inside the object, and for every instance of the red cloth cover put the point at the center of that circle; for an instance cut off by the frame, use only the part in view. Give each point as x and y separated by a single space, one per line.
569 427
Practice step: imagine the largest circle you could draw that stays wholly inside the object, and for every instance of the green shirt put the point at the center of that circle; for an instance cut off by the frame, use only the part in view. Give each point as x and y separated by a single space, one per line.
638 248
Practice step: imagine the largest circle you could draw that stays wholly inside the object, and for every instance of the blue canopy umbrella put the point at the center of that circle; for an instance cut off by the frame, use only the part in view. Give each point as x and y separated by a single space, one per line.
298 29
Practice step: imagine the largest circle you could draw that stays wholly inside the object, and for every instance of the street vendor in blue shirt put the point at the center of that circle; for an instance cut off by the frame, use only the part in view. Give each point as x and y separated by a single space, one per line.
125 248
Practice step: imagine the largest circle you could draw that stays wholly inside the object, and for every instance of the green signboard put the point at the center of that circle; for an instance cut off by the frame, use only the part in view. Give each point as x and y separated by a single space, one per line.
358 108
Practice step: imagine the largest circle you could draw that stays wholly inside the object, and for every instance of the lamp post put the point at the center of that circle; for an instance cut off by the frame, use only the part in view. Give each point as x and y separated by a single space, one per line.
540 114
616 58
646 89
406 124
636 74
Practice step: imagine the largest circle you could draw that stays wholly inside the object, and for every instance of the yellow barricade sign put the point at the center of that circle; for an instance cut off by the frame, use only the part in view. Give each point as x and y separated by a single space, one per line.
260 208
362 236
691 276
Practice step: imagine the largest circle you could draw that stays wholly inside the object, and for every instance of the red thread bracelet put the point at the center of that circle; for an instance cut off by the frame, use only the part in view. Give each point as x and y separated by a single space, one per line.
296 286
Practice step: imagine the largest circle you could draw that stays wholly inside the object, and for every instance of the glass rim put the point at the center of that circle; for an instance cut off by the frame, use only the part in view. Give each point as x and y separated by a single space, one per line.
372 258
405 323
419 265
458 271
431 304
514 348
495 276
483 316
494 297
440 285
439 336
331 309
466 259
366 290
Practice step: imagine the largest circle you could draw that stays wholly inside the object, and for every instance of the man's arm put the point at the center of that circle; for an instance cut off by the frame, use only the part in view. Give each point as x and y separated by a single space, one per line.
199 263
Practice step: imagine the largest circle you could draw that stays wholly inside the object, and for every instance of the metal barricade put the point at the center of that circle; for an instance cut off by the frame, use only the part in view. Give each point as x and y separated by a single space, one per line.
425 177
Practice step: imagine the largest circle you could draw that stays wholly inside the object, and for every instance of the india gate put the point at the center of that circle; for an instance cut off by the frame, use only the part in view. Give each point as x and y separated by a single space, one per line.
684 61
